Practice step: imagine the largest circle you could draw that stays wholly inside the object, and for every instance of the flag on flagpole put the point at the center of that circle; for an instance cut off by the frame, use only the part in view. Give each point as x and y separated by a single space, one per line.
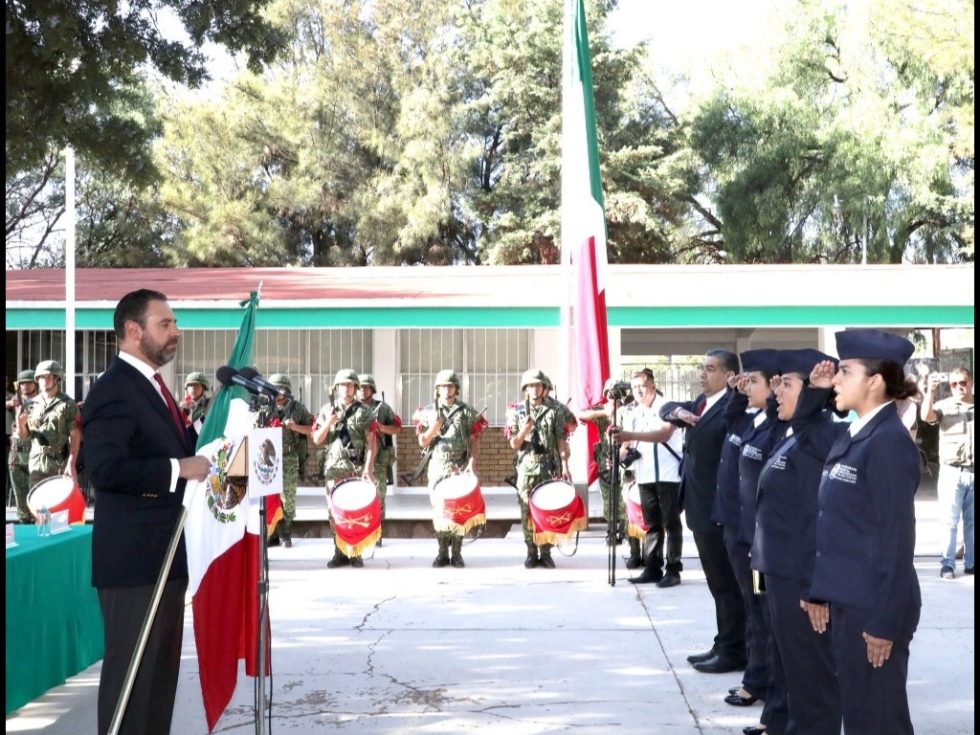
583 221
221 534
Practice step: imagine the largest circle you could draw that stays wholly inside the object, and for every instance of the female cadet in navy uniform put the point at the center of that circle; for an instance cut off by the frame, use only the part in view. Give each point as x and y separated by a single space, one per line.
784 550
866 533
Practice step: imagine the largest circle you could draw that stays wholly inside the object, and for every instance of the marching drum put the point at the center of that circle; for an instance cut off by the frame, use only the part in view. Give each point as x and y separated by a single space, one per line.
636 527
461 502
556 511
356 514
58 493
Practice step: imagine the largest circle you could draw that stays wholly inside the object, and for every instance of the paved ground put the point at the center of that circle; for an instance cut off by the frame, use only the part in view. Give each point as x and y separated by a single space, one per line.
399 647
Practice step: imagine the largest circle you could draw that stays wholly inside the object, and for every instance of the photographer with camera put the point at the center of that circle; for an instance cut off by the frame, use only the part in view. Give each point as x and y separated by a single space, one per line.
655 461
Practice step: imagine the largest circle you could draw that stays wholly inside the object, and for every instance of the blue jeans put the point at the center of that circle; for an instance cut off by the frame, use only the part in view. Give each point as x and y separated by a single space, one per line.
955 489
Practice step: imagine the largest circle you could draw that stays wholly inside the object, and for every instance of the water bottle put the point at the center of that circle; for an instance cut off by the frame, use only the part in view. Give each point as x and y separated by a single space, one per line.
44 521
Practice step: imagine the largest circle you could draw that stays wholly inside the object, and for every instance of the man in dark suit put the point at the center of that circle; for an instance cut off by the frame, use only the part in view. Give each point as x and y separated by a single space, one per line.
704 422
138 454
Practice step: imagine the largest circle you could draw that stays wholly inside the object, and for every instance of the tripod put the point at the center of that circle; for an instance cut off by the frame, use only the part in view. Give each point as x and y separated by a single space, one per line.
262 595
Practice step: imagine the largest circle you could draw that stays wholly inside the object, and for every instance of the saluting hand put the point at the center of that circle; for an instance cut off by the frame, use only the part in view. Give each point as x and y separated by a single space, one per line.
879 650
822 375
819 614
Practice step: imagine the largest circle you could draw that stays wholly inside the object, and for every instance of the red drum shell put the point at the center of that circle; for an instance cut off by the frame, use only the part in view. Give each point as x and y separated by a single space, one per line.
58 493
556 511
463 506
356 514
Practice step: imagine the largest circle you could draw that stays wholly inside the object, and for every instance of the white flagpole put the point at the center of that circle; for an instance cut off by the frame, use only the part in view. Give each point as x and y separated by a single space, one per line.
69 381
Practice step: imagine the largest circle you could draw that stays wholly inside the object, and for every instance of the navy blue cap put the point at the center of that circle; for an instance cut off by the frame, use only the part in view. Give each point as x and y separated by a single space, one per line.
766 361
801 361
873 344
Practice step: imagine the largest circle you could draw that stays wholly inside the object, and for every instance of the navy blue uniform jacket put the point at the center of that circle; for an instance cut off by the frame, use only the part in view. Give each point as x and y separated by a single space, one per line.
702 454
866 523
130 438
737 423
757 444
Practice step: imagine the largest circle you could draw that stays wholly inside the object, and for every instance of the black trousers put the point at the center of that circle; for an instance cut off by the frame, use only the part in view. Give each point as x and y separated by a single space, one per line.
151 702
807 660
660 502
874 701
729 608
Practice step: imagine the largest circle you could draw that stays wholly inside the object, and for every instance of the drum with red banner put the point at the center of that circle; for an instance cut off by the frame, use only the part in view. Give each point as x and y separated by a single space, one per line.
355 511
636 527
58 493
556 511
461 502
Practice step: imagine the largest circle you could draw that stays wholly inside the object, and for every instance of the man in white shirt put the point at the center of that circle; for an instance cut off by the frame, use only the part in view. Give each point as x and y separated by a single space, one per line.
657 473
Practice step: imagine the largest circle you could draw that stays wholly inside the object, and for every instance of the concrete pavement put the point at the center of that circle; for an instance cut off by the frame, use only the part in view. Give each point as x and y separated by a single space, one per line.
400 647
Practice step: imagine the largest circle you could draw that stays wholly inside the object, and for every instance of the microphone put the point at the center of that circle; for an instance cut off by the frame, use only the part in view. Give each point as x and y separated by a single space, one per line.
252 374
227 375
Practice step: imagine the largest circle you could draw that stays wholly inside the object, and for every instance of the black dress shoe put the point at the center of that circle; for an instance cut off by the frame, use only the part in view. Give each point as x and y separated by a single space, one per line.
647 577
737 700
753 730
720 665
669 580
699 657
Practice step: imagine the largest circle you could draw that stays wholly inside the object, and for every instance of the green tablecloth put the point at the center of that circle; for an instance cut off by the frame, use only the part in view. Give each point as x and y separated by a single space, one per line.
54 624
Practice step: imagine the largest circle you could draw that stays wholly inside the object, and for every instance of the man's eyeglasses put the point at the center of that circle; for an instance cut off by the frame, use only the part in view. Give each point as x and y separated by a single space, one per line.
957 384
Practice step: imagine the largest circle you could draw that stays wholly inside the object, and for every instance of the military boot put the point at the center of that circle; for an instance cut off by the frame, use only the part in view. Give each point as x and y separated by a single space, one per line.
532 556
457 557
285 533
546 561
339 560
636 559
442 558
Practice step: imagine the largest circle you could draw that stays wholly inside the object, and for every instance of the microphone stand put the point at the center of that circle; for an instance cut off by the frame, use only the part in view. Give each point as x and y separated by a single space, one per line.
614 490
262 592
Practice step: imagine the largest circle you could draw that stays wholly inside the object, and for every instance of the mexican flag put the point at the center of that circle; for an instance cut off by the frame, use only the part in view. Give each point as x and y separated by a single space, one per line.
223 551
583 221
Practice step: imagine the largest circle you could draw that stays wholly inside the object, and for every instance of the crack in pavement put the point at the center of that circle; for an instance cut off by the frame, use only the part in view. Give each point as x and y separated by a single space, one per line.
374 608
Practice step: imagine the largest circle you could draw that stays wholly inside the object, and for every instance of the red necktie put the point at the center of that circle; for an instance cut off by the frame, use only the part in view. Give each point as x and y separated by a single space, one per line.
701 404
171 404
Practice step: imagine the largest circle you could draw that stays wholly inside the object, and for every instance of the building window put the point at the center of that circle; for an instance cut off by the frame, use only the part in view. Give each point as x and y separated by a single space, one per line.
488 361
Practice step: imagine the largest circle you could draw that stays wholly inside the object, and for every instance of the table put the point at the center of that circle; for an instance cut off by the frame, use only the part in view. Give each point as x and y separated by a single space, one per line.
54 623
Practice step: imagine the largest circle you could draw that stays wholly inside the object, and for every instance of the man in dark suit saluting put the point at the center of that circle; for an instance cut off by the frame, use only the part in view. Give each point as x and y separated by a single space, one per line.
704 424
138 454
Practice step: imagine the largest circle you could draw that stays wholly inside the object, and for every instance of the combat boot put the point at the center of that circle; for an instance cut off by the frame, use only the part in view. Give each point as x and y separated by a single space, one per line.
339 560
546 561
457 558
636 559
532 556
285 533
442 558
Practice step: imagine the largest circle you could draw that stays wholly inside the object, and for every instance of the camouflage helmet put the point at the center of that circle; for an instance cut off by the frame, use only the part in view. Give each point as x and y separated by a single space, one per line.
25 376
546 382
199 379
49 367
282 380
368 379
533 376
447 377
345 376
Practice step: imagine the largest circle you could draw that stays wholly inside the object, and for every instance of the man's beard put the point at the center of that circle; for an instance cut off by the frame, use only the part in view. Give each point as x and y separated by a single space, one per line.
157 354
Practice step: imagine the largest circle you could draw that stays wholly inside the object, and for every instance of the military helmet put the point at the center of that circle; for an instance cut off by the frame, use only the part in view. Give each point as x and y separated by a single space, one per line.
368 379
533 376
447 377
345 376
546 382
49 367
199 379
25 376
282 380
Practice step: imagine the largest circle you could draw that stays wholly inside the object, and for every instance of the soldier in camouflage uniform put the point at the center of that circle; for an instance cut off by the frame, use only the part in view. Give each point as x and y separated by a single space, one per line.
388 425
449 430
601 416
50 423
297 424
20 449
194 404
537 431
349 430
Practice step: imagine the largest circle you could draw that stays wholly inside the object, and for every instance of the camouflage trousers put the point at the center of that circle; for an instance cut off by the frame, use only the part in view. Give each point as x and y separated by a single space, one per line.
290 478
526 482
381 482
19 478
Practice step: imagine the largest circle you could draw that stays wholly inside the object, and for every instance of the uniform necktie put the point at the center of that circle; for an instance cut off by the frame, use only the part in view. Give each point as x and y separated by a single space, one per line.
171 403
701 404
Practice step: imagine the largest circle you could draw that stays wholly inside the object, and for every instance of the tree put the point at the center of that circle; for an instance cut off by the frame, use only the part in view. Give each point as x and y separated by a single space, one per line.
74 69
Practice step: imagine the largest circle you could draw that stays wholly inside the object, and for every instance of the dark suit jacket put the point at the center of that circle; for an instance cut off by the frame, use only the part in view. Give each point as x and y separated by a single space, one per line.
130 439
702 454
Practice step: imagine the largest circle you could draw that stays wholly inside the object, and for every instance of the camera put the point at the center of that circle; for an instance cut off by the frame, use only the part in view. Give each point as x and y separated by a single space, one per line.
632 454
618 391
942 377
